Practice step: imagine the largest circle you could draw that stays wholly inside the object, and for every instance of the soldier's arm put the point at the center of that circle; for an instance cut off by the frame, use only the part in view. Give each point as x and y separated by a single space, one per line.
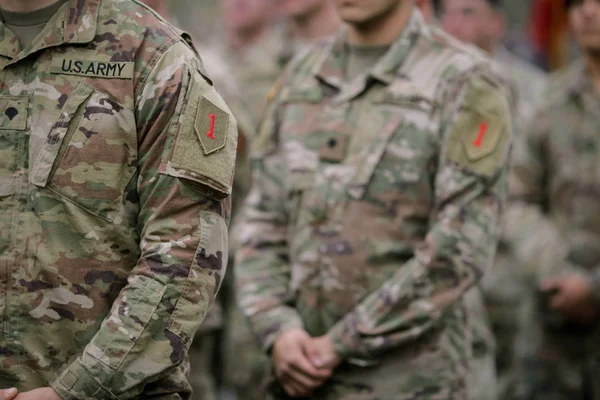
470 190
262 269
535 240
183 187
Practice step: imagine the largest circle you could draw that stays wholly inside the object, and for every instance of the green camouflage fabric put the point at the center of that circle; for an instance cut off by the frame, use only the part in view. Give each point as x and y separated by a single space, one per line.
505 286
116 160
375 206
208 353
555 190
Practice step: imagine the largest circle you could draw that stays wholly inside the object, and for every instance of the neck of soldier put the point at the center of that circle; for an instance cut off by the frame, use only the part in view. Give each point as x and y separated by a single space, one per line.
592 61
240 39
25 5
382 30
321 23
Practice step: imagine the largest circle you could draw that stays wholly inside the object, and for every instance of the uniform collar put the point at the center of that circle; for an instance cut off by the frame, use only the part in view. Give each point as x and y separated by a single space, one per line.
75 22
332 68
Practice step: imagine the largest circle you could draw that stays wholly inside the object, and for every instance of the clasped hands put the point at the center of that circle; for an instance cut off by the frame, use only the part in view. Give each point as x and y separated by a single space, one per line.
303 363
46 393
572 296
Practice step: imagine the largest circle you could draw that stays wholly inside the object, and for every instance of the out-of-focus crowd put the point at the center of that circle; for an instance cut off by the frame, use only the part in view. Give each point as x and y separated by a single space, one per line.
533 318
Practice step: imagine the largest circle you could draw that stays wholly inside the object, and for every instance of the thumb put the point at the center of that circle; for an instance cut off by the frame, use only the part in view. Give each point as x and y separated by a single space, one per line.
550 284
8 394
311 350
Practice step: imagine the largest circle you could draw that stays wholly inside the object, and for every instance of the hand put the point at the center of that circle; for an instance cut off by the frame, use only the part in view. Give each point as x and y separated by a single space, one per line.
46 393
573 298
298 376
322 353
8 394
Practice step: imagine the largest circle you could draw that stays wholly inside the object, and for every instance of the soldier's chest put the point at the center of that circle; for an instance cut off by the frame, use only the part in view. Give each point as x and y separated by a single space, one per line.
66 124
379 147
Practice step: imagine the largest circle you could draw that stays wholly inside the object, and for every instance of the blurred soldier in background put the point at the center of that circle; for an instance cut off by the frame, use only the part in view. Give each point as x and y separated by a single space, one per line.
261 61
261 57
483 23
377 208
557 187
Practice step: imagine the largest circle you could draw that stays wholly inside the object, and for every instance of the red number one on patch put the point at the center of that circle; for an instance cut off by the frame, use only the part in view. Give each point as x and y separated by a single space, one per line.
480 136
211 132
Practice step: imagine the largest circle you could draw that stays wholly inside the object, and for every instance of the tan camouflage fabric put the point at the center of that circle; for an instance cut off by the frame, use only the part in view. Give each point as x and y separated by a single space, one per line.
208 354
116 163
556 201
505 286
375 205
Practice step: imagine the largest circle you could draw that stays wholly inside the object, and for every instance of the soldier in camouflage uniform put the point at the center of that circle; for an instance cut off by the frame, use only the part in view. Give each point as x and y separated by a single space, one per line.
117 158
379 177
482 23
555 186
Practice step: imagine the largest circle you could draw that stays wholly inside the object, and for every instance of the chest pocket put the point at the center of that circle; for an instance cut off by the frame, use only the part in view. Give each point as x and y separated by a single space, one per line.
90 154
396 162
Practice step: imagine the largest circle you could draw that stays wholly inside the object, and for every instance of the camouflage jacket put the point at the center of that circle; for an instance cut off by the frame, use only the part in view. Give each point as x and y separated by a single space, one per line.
375 203
116 160
527 83
555 183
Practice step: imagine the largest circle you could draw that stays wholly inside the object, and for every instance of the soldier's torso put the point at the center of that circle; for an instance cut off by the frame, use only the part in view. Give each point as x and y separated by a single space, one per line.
359 164
68 175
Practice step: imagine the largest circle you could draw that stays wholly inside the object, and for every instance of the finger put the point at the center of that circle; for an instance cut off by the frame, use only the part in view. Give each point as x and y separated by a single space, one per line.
559 301
550 284
8 394
294 389
305 366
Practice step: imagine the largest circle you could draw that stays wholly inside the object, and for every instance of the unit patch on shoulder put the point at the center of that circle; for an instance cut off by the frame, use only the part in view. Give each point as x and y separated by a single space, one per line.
93 68
482 130
212 124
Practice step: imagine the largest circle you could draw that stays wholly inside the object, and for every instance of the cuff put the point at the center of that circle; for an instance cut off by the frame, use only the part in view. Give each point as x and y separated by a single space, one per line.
347 342
272 324
76 383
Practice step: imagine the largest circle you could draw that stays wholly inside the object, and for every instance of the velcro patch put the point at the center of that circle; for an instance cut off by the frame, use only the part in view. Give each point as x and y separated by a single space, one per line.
212 124
13 113
93 68
481 132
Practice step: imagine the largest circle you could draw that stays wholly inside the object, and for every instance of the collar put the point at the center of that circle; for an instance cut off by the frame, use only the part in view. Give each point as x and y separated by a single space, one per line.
75 22
331 68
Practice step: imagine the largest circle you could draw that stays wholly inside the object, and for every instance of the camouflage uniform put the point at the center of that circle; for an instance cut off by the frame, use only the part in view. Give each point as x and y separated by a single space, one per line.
504 288
211 348
555 187
117 157
375 206
258 67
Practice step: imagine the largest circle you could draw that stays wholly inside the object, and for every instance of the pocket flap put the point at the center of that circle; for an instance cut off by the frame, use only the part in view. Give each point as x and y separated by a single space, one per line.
44 162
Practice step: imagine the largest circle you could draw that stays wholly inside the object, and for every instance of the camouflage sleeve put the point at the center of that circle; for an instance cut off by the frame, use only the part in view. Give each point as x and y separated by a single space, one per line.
186 140
470 190
535 240
262 266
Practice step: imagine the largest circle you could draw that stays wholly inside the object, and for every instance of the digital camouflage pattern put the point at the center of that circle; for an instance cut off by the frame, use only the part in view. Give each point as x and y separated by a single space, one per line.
210 355
375 206
113 236
555 190
505 286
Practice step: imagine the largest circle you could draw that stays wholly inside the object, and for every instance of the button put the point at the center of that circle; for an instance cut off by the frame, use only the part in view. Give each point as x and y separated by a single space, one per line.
332 143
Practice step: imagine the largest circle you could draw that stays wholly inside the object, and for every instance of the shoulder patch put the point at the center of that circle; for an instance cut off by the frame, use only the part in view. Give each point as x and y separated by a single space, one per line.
205 140
481 131
93 68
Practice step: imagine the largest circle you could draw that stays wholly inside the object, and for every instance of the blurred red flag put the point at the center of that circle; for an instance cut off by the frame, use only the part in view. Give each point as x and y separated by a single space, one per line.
548 29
